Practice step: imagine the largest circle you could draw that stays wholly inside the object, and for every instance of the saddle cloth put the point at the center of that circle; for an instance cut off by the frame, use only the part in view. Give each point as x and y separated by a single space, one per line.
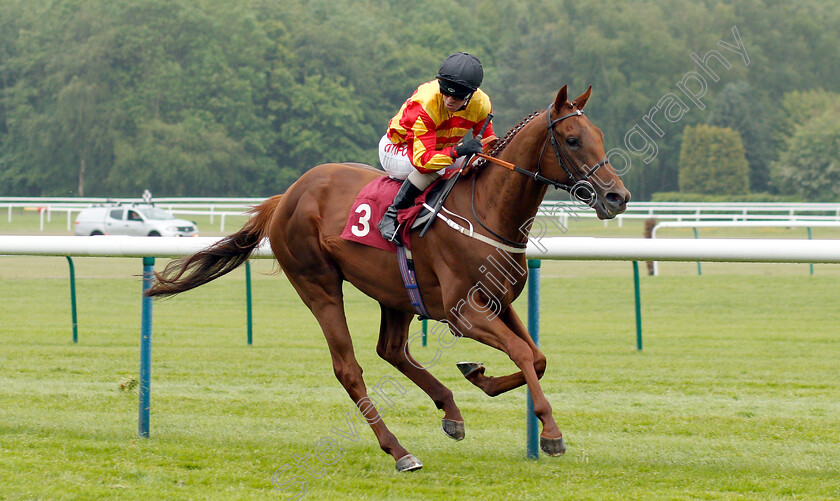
371 204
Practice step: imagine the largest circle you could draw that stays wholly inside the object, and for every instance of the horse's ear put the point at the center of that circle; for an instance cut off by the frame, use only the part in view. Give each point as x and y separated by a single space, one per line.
580 102
562 97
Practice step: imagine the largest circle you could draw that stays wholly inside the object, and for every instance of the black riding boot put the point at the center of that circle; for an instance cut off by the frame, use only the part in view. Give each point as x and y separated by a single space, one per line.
404 199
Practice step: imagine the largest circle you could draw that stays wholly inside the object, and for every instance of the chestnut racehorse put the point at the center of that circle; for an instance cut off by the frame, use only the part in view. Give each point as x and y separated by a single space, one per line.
557 147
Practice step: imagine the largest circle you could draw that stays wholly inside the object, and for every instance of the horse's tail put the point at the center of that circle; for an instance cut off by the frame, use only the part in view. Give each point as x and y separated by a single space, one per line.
219 259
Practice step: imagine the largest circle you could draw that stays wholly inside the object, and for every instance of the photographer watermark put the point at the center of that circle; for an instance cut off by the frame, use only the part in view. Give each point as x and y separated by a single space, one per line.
693 86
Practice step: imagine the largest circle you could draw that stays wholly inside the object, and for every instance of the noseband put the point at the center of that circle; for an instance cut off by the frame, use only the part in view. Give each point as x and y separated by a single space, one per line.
566 162
563 159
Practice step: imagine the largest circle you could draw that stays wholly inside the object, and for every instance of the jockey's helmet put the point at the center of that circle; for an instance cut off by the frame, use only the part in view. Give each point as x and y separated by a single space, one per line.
460 75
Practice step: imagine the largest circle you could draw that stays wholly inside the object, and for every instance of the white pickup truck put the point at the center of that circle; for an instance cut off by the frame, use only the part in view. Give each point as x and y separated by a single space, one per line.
138 220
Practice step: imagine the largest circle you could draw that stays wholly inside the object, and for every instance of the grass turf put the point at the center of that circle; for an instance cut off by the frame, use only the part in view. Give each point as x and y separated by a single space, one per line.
735 395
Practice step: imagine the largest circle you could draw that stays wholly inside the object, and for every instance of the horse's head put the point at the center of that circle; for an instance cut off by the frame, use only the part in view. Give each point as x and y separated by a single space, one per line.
577 155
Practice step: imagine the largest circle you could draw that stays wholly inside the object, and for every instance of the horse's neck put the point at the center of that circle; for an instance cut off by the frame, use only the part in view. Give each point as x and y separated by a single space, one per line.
505 200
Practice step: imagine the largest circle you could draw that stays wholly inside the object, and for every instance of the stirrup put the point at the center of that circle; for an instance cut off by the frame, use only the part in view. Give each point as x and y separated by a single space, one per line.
395 236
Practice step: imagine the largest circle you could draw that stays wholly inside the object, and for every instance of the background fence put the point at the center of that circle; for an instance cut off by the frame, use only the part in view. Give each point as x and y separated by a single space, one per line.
566 210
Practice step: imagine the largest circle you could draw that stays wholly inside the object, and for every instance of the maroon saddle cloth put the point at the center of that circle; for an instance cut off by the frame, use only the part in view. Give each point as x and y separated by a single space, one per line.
370 206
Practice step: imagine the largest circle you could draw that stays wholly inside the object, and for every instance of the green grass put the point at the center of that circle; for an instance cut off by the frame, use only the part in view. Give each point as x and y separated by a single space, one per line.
735 396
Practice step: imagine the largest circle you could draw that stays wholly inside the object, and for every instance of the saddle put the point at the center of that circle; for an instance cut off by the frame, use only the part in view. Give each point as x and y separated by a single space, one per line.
436 194
375 198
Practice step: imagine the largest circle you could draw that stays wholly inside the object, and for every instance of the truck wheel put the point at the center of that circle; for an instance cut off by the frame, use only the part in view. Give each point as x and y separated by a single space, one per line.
96 233
154 234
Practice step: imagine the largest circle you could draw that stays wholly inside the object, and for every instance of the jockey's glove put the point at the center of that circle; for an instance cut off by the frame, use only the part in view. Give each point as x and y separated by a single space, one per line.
467 147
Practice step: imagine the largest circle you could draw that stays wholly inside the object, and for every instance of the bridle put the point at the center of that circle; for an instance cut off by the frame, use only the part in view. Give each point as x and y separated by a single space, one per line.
565 161
562 158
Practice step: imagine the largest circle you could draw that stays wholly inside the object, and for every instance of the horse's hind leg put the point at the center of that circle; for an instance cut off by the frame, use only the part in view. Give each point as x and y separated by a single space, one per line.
496 333
392 346
322 294
496 385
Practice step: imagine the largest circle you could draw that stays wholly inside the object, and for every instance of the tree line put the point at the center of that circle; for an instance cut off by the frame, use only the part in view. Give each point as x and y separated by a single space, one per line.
239 97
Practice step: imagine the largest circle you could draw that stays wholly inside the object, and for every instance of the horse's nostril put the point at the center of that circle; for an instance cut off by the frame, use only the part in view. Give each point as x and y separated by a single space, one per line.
614 199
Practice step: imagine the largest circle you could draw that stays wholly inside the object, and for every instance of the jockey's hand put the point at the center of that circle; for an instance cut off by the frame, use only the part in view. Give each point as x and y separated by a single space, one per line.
467 147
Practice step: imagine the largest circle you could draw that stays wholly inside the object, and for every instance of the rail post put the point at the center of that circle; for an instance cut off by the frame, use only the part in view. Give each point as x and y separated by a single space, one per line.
532 429
248 302
73 299
146 349
638 305
699 270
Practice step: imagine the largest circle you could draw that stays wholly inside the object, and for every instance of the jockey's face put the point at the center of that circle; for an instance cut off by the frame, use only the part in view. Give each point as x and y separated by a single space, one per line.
453 104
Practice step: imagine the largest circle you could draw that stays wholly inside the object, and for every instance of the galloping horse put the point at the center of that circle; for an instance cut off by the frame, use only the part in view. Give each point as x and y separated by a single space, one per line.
304 226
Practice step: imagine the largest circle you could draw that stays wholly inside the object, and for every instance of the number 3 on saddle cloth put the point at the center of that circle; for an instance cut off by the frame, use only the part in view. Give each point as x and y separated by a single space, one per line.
367 211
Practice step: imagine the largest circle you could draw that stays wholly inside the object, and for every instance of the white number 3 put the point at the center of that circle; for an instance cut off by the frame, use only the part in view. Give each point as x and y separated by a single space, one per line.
363 228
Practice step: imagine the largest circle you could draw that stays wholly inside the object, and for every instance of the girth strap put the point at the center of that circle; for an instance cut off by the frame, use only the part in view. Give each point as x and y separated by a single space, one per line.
410 281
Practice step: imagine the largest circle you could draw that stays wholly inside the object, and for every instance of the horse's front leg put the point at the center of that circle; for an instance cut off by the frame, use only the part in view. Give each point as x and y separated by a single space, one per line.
392 346
496 385
480 323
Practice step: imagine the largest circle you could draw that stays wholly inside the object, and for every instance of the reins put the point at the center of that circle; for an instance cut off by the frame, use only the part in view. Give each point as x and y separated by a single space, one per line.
562 158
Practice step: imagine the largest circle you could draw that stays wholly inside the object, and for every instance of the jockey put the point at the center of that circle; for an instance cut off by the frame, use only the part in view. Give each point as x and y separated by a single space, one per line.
427 134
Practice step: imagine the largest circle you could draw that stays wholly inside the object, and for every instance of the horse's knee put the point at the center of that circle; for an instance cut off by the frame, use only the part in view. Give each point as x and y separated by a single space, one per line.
382 350
542 409
349 375
519 352
388 352
539 364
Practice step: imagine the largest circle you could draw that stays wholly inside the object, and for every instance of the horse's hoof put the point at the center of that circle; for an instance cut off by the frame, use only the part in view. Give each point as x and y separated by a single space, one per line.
553 446
408 463
468 368
454 429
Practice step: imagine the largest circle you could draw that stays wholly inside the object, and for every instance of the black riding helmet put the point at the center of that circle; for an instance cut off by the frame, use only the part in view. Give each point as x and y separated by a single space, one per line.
460 75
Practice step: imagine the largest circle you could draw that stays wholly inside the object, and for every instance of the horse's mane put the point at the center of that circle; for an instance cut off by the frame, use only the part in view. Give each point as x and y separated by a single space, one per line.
502 144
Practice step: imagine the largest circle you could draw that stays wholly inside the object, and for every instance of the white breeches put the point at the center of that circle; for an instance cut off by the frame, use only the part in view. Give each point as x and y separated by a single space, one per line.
395 161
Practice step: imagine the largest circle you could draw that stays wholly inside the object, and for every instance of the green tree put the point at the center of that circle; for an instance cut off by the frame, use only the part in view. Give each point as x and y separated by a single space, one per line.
58 124
810 166
632 54
92 75
798 108
712 161
195 97
89 87
195 157
323 123
739 108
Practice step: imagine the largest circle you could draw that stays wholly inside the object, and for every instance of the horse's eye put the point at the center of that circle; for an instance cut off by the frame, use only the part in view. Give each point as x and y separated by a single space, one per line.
573 142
